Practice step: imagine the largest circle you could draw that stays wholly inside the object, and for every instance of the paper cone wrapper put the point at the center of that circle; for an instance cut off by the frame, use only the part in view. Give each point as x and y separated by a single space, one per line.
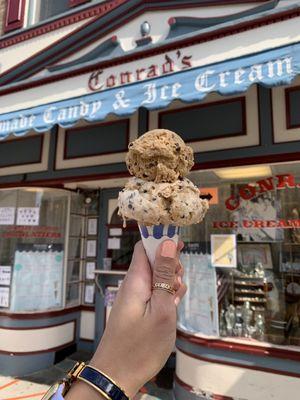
153 235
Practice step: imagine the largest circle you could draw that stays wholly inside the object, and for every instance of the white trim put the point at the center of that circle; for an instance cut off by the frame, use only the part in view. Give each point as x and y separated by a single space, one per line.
93 160
236 382
26 168
281 133
87 325
34 340
252 123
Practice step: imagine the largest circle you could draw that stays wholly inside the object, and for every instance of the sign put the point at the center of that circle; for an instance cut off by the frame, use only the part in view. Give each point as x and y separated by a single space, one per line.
5 275
90 270
92 226
223 251
4 297
7 215
89 294
37 279
28 216
91 248
114 243
198 311
273 67
211 194
250 191
101 80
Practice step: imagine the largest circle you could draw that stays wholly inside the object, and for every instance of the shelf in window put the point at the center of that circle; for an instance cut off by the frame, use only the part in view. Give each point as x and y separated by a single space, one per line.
252 284
110 272
256 293
251 300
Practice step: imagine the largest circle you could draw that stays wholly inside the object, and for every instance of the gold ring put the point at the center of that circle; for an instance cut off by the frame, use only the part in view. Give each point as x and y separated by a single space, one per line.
163 286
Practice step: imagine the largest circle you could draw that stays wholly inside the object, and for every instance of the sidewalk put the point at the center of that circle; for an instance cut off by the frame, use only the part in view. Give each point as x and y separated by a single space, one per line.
34 386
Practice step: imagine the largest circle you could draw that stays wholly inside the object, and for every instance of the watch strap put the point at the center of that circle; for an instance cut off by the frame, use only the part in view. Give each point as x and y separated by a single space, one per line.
102 383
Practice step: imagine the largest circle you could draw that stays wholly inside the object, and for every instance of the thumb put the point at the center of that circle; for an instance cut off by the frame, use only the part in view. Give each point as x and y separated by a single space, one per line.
165 265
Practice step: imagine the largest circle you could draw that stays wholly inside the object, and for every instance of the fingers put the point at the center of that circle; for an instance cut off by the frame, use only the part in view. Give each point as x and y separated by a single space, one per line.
180 293
165 266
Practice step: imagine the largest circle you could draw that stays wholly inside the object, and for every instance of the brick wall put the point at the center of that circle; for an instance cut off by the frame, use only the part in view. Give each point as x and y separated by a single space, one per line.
2 14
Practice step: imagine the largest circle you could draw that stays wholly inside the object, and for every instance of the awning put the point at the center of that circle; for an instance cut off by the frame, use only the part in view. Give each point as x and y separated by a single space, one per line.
269 68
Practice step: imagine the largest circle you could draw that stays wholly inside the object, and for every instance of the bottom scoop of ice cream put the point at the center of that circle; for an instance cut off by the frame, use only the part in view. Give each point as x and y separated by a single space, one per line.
150 203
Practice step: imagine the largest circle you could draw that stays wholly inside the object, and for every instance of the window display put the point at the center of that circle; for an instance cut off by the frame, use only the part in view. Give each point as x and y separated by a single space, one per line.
259 300
32 248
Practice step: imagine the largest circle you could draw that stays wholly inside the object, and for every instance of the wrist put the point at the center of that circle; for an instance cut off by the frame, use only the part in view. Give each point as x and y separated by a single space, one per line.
118 374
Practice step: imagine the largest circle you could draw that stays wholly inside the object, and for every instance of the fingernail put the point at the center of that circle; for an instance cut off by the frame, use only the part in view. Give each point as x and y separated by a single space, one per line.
168 249
177 301
179 280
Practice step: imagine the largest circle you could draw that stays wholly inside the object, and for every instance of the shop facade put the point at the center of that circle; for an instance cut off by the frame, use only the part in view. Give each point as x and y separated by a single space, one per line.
64 251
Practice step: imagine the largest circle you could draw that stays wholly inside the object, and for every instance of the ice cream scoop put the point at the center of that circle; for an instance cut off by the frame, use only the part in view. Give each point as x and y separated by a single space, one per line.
159 156
150 203
159 197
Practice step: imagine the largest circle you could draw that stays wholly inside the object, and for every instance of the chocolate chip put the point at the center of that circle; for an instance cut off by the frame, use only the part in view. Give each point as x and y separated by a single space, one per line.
130 144
145 191
145 175
130 206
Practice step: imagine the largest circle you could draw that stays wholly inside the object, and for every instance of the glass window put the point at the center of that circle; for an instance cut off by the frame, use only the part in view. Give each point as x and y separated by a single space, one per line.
260 298
32 248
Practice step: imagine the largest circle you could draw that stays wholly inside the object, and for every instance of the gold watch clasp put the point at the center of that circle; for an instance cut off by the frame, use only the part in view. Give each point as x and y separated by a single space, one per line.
75 371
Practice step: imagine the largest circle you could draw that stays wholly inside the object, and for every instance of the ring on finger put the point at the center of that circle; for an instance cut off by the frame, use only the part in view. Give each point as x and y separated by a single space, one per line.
163 286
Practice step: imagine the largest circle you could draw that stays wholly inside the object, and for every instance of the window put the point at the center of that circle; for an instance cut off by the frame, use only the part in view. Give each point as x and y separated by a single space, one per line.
259 300
40 10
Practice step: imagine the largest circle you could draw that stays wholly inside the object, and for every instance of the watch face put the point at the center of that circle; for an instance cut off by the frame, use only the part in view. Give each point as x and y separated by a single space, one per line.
55 389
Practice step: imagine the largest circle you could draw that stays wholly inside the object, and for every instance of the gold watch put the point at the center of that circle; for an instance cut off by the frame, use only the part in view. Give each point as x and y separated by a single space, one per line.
61 388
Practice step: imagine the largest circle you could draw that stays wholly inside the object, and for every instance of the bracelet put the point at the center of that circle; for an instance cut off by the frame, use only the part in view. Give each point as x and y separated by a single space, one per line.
102 383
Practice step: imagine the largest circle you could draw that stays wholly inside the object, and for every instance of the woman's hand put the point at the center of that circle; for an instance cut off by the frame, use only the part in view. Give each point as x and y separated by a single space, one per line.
141 330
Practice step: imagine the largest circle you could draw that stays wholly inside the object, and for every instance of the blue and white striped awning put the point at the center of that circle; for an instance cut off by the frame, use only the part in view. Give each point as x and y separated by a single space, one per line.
269 68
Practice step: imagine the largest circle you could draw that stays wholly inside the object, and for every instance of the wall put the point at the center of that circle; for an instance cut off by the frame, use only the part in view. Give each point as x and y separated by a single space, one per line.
2 15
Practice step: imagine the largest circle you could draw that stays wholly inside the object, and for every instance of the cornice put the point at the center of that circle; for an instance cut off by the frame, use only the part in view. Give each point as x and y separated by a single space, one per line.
94 11
174 45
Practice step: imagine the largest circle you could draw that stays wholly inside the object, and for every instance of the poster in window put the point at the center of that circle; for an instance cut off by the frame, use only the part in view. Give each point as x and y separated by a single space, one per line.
4 297
90 270
5 275
251 215
92 226
7 215
37 278
223 251
28 216
91 248
89 294
198 312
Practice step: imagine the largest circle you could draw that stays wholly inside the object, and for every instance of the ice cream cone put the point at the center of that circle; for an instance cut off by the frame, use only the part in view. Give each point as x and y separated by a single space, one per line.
153 235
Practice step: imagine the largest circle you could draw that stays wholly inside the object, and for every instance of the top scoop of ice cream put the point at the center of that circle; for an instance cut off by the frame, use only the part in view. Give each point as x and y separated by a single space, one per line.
149 203
159 156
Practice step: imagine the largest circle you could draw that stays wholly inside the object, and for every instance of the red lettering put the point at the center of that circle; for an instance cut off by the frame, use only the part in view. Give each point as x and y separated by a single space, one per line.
247 223
153 71
168 66
125 77
138 73
285 181
94 81
265 185
232 203
111 81
186 61
247 192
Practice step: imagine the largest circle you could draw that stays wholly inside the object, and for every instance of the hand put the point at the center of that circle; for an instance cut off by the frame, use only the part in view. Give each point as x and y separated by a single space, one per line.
141 330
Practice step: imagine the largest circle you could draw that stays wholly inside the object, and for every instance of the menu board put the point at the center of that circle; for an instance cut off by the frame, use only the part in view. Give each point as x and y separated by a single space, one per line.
37 279
198 311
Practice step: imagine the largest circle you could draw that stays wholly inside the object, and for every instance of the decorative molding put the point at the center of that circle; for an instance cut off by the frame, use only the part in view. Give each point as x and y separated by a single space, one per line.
239 365
200 38
93 11
241 100
249 348
191 390
43 315
284 132
36 347
62 162
69 132
39 166
249 137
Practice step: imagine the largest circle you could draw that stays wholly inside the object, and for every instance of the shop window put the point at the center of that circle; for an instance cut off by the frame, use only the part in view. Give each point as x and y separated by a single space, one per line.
258 297
32 249
41 10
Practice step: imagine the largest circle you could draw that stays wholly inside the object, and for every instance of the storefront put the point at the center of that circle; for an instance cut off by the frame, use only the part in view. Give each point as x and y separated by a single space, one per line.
64 251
